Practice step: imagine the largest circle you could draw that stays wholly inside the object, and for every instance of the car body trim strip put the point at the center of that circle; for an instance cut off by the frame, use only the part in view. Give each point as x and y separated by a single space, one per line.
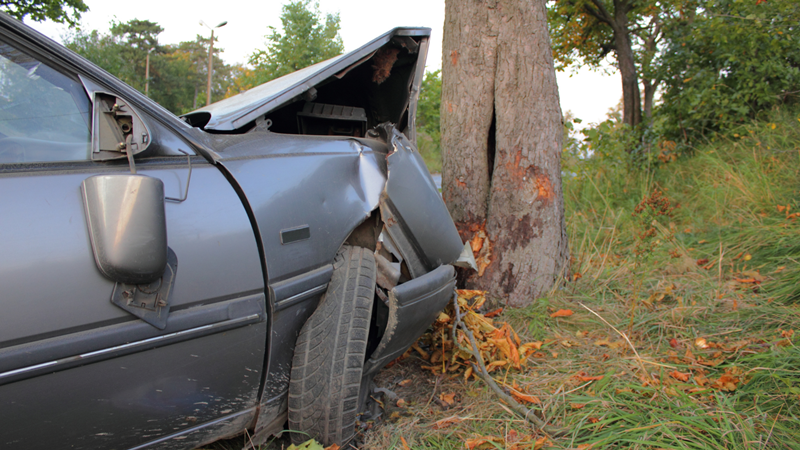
285 303
128 348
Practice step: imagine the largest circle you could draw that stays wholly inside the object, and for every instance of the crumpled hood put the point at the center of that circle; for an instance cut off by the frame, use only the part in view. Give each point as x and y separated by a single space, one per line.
240 110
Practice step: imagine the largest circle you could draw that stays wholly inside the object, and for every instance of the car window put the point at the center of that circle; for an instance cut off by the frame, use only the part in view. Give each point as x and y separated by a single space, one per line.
44 114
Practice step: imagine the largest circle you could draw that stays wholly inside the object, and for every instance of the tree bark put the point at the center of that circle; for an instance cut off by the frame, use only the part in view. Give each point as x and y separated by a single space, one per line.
501 142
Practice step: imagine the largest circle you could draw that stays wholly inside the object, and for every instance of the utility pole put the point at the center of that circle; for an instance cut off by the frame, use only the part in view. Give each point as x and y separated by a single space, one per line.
210 57
147 74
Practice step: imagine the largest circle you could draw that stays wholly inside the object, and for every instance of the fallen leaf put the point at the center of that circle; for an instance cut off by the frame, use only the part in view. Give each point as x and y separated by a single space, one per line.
747 257
700 343
680 376
562 313
449 399
702 261
404 383
446 422
673 343
525 398
593 420
488 440
494 313
405 444
401 403
583 376
577 405
726 382
332 447
539 443
394 415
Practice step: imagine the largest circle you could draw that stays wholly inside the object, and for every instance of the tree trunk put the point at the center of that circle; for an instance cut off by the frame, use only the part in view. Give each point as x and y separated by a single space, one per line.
650 88
501 142
631 98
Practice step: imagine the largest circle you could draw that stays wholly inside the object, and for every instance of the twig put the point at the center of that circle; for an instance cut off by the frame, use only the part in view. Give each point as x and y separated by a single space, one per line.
480 370
624 336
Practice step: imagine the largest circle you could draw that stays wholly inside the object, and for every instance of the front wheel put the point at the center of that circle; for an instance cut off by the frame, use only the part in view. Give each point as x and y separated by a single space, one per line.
329 354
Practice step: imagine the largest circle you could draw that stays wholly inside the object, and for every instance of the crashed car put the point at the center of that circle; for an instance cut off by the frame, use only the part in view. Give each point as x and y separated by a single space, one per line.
167 282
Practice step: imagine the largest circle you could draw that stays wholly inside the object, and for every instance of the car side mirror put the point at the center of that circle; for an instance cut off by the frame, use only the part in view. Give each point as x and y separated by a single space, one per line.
127 226
115 126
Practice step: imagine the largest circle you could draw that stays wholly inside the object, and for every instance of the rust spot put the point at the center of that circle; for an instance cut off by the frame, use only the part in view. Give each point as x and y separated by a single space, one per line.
449 107
454 57
382 64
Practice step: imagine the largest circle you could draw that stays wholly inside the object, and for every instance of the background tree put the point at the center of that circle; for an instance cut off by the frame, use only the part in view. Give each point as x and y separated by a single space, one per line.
585 31
177 71
733 60
306 38
61 11
429 138
501 144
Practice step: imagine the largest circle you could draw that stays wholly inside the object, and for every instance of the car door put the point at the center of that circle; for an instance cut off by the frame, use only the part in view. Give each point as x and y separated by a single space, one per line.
77 370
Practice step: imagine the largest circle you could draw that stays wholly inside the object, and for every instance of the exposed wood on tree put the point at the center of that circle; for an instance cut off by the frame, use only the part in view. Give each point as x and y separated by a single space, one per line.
501 144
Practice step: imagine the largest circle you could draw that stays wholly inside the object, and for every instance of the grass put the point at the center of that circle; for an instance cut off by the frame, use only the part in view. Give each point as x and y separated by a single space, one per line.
712 294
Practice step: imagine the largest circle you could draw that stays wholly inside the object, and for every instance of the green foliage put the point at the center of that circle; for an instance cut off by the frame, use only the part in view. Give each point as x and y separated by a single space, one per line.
735 59
429 138
306 38
61 11
178 73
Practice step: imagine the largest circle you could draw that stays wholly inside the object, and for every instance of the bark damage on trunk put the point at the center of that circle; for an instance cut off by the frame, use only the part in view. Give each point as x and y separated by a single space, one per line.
501 143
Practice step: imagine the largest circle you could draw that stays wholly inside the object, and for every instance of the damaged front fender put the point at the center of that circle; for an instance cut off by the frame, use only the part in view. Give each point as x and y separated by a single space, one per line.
414 214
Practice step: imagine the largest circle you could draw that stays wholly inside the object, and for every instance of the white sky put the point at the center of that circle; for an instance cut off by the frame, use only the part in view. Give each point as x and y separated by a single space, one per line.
587 94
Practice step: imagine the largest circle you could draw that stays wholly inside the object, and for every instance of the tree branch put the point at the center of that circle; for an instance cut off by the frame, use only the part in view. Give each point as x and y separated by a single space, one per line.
480 370
600 12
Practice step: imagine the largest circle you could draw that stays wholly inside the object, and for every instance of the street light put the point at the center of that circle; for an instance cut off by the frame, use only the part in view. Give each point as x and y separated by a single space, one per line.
147 74
210 54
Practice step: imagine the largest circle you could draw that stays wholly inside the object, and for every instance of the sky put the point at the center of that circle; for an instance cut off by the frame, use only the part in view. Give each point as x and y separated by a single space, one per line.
588 94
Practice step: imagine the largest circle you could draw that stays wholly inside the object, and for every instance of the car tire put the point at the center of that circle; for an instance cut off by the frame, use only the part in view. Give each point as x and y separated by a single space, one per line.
329 354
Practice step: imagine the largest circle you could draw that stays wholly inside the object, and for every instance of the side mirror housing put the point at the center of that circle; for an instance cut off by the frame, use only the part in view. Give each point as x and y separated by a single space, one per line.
127 226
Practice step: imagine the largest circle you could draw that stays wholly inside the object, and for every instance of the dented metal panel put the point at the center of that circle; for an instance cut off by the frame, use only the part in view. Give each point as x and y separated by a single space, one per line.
235 112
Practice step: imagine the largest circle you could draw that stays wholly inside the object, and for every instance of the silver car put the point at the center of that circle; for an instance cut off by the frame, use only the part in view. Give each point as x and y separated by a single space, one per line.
166 282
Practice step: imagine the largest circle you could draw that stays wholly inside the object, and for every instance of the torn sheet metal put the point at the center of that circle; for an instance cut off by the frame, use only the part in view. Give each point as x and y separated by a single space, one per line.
414 213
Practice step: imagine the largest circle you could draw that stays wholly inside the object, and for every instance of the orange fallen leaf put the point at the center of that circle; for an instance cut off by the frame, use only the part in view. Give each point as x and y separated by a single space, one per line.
401 403
702 261
539 443
446 422
562 313
747 280
577 405
525 398
593 420
332 447
494 313
726 382
404 383
700 343
489 440
679 376
449 399
583 376
673 343
405 444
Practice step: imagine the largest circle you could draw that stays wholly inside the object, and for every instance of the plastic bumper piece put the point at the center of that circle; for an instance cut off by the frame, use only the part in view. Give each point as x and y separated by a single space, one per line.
413 306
